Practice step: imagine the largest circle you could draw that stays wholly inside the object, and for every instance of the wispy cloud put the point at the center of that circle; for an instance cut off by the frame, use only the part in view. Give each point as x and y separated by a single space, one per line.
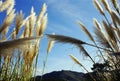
68 11
57 28
62 20
66 8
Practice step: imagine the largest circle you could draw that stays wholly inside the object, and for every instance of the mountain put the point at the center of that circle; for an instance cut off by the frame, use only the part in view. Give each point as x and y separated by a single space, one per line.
63 76
66 75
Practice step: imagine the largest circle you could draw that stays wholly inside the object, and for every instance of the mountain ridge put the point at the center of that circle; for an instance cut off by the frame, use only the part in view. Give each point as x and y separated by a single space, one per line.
64 75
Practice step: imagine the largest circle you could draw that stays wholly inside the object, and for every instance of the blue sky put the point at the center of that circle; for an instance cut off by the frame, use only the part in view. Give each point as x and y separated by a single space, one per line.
62 19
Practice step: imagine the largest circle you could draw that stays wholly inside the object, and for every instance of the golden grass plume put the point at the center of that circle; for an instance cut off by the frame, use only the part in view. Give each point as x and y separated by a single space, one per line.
50 45
98 6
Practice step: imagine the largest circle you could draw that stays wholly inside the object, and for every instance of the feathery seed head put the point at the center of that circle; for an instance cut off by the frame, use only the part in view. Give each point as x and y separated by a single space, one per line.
111 35
16 42
75 60
13 35
97 24
106 5
42 12
19 21
43 25
32 10
50 45
32 22
5 5
82 49
7 22
86 31
1 3
116 5
26 30
101 38
66 39
115 18
11 6
98 6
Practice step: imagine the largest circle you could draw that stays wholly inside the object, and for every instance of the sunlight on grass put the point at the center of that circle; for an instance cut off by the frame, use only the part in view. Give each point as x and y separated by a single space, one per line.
19 50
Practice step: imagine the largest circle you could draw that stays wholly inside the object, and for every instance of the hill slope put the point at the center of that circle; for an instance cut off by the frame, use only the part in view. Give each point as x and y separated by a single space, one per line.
63 76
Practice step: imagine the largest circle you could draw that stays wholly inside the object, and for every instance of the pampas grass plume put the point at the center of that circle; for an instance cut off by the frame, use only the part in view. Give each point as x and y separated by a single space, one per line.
98 6
43 25
86 31
50 45
5 5
42 12
75 60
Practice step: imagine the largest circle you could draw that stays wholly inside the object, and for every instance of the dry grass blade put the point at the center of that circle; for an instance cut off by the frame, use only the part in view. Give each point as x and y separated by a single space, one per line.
26 32
4 34
99 7
111 35
11 6
42 12
117 32
32 22
42 26
115 18
75 60
29 55
20 42
50 45
13 35
116 5
1 3
85 53
65 39
7 22
109 31
19 20
106 5
16 42
5 5
101 38
78 62
97 24
86 31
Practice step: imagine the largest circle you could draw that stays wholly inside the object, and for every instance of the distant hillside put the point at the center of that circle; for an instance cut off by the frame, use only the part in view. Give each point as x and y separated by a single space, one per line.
63 76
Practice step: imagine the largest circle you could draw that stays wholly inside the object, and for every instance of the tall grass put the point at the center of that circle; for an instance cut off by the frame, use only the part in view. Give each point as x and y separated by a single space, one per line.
107 41
19 48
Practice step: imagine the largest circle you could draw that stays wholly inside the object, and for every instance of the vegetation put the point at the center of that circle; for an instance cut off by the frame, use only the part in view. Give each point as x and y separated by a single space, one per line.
107 41
19 42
